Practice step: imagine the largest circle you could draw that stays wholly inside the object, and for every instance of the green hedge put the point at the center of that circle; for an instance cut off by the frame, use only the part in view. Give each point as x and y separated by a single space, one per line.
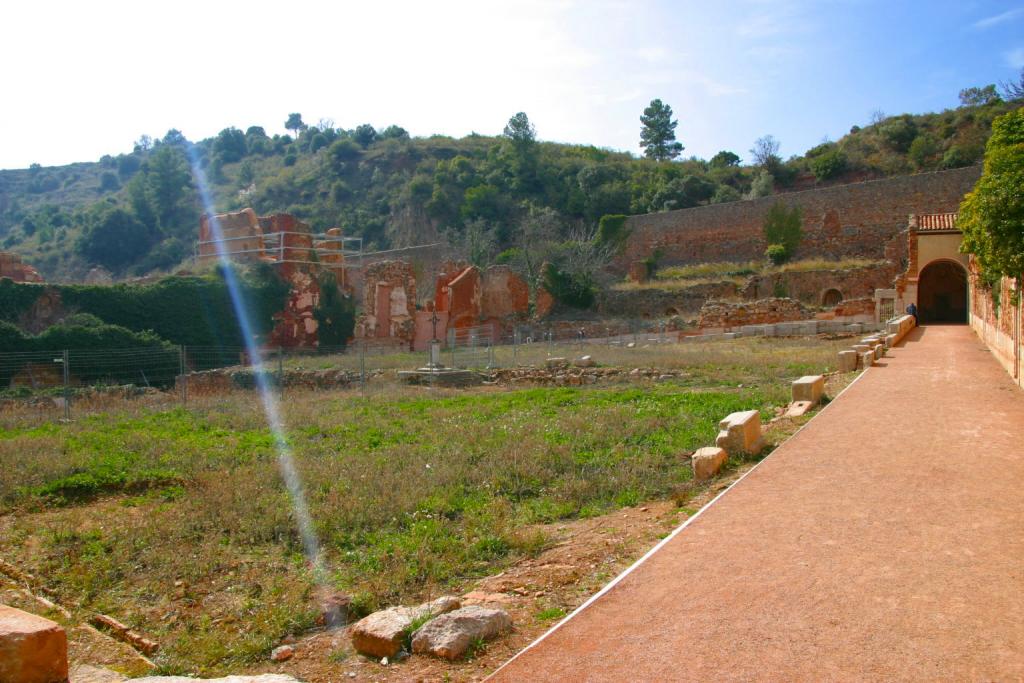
192 310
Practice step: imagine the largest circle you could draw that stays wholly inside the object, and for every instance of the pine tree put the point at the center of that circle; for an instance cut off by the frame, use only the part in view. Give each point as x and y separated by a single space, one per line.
658 135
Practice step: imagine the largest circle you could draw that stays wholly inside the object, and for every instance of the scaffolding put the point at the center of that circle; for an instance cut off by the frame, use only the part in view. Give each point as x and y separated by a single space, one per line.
277 248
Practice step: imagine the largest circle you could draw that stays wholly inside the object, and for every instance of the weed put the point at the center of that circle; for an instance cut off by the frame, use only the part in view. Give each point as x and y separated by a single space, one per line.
550 614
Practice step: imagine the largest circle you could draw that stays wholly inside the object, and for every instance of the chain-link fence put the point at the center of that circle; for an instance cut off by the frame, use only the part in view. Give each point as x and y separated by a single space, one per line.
67 383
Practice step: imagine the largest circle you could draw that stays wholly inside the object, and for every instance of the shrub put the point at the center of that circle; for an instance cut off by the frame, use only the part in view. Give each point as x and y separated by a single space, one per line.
574 291
611 231
782 228
829 165
776 253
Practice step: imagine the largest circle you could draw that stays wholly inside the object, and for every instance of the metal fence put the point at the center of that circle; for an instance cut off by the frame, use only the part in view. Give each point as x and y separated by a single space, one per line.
65 383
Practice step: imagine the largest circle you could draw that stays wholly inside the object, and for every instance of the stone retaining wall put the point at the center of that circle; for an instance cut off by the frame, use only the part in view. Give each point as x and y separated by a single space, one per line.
856 220
727 315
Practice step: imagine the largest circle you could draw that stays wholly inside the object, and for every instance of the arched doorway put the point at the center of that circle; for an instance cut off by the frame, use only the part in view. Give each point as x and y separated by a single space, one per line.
942 293
831 298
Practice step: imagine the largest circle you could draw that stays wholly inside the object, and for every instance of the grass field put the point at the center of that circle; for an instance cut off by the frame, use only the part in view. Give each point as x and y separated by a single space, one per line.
681 277
176 521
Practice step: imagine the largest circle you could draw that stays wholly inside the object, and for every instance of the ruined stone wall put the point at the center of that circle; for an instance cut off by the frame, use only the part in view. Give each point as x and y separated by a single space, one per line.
856 220
809 287
998 325
392 285
11 266
727 315
661 303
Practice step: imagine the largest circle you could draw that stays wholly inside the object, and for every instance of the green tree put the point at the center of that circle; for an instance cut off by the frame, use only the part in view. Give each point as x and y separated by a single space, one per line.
992 214
979 96
658 135
782 228
169 181
295 124
114 238
365 135
522 137
230 145
724 159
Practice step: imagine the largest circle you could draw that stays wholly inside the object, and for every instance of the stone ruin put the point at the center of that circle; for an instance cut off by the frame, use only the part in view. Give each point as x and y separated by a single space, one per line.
464 297
389 304
11 266
289 245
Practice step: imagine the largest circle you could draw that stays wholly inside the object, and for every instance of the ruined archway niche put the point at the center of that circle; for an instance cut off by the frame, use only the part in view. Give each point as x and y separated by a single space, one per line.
942 293
831 297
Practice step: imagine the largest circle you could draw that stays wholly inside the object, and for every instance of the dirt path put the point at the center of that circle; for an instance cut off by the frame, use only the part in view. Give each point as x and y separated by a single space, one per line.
885 541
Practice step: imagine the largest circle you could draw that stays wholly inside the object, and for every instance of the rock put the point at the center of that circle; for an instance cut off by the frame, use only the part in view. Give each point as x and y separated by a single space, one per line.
84 673
631 345
382 633
798 408
707 462
585 362
282 653
847 361
450 635
556 362
334 607
809 388
741 433
32 649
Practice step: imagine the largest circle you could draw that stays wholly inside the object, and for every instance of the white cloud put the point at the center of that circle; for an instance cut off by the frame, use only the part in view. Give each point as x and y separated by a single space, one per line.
989 22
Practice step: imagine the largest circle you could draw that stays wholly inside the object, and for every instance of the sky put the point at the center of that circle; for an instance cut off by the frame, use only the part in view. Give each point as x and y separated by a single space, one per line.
84 79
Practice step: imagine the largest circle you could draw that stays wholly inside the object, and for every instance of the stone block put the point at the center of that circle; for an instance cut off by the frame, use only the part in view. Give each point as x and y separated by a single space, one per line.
809 388
728 335
585 362
879 351
741 433
861 348
847 361
855 328
890 340
867 359
707 462
32 649
798 408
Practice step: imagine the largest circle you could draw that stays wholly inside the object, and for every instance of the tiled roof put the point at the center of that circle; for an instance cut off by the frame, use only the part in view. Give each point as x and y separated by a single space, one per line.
936 221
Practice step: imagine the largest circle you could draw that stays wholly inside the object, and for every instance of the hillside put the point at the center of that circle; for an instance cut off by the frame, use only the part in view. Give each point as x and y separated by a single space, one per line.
493 196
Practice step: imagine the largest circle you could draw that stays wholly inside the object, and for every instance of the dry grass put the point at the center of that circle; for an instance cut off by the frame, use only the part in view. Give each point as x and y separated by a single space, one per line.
681 277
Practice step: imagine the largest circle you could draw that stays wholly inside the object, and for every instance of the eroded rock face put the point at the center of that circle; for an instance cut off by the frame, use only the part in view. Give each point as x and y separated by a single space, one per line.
450 635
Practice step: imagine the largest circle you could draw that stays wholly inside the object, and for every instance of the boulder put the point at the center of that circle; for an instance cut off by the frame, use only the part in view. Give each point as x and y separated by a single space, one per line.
382 633
451 634
585 362
32 649
741 433
707 461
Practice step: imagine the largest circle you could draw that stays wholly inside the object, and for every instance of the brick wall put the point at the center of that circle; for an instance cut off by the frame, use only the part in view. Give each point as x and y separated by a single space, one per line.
855 220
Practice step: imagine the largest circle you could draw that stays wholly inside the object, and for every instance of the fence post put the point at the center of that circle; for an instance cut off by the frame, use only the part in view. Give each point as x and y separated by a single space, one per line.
362 365
184 377
452 339
67 386
280 368
515 346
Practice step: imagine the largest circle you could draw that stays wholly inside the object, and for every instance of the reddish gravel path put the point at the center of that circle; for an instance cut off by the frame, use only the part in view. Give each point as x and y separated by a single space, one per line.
885 541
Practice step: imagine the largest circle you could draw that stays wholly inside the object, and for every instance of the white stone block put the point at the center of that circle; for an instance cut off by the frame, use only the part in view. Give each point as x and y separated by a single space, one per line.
707 462
741 433
809 388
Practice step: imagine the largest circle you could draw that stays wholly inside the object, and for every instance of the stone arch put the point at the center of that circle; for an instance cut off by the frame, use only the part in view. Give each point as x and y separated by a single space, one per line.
942 292
831 297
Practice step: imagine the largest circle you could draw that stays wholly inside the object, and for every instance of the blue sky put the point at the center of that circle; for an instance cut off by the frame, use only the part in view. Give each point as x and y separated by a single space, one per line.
89 78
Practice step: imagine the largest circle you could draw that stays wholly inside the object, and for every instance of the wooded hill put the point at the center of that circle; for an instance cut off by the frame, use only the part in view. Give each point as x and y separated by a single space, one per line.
138 213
